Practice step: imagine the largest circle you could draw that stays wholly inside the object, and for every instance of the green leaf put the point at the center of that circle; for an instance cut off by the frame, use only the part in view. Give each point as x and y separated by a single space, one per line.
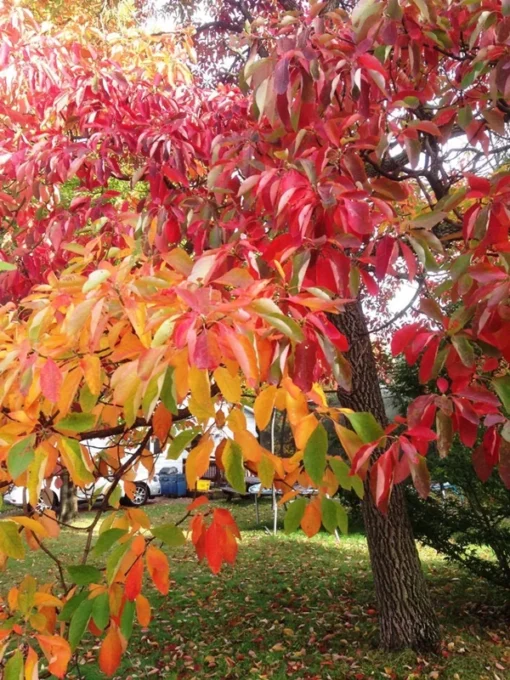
95 279
285 325
113 561
341 471
357 486
234 469
115 496
87 399
315 454
169 534
107 539
168 394
180 442
76 422
502 387
10 540
342 518
329 515
84 574
7 267
101 610
126 620
14 667
71 606
79 623
294 515
366 426
464 349
20 456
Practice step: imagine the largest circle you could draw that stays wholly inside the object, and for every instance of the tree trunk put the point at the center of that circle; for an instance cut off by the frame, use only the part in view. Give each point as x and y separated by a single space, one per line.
68 499
406 616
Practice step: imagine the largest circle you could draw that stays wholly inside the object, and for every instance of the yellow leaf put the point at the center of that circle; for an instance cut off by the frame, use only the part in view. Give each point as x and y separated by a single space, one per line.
35 475
31 524
265 470
304 429
229 385
125 382
68 391
199 384
263 407
91 366
10 540
349 440
76 461
198 461
252 450
297 408
236 420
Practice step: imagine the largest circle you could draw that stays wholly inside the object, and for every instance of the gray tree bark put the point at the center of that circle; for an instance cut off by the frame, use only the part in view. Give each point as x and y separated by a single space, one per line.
406 615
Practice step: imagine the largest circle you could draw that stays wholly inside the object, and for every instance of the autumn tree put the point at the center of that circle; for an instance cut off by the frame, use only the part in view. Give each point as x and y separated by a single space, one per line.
166 245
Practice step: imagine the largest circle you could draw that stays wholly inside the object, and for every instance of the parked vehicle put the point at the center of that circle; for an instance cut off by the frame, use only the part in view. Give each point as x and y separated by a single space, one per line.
147 480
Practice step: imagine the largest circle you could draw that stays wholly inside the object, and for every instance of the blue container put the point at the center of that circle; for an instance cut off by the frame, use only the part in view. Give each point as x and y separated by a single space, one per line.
168 485
181 485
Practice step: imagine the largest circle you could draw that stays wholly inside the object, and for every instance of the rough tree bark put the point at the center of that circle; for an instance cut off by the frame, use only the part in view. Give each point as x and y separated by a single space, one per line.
68 500
406 615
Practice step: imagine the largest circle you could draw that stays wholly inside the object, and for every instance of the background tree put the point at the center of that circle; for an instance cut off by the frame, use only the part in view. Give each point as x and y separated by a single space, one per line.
465 513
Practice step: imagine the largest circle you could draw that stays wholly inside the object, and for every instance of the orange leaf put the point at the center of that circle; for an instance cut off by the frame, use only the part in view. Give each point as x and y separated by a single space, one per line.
159 570
133 586
51 381
111 651
311 522
57 651
198 461
143 611
68 390
162 422
138 545
31 672
91 367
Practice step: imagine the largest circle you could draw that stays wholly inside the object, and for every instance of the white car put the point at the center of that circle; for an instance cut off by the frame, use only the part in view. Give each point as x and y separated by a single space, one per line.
146 481
147 486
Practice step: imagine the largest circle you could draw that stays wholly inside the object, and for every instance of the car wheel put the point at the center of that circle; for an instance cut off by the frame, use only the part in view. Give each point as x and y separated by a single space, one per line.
140 496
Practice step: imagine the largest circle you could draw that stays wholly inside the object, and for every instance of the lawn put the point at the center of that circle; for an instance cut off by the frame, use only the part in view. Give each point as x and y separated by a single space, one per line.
292 608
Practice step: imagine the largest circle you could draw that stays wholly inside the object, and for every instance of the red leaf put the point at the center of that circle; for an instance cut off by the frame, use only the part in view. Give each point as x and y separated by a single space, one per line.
482 468
214 540
420 432
442 385
410 258
281 76
385 250
133 586
403 337
427 360
504 463
51 381
201 500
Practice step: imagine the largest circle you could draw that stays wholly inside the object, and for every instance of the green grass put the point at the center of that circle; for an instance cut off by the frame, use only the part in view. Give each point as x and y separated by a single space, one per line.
291 608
